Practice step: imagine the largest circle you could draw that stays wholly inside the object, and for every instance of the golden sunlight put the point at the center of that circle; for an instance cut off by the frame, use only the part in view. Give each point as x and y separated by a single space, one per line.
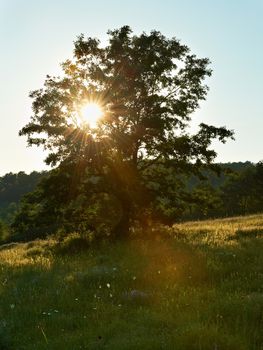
91 113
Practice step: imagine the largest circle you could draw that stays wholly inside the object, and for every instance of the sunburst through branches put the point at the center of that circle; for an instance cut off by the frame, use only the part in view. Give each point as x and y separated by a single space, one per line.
91 113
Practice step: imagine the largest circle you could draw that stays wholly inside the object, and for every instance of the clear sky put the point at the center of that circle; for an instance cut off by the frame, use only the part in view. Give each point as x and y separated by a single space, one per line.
37 35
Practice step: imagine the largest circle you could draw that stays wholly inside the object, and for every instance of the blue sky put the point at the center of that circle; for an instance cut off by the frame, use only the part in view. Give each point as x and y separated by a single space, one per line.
38 35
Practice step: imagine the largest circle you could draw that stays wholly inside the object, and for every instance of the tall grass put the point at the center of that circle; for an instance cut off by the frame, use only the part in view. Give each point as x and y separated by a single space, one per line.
201 287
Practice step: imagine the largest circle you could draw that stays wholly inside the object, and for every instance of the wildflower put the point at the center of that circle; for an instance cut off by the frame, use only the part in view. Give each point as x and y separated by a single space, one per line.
134 278
108 285
12 306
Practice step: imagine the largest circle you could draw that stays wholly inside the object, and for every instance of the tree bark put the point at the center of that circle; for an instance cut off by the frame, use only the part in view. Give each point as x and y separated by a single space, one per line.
122 229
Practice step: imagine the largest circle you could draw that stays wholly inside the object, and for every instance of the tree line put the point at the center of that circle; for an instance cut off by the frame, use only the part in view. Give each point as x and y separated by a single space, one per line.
25 210
237 191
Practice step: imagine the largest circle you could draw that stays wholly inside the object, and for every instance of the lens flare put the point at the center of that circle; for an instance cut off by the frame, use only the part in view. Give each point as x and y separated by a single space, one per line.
91 113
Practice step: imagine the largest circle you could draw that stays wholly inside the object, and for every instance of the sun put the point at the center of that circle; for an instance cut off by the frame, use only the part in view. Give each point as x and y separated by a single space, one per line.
91 113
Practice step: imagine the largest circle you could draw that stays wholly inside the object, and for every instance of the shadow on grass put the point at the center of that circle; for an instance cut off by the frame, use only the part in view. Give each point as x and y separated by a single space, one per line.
252 233
197 293
72 245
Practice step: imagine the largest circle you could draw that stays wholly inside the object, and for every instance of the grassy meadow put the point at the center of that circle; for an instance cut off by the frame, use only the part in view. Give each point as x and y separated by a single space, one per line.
197 285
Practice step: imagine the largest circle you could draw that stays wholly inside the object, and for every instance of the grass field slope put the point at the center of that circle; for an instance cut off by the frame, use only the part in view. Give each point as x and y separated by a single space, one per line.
197 285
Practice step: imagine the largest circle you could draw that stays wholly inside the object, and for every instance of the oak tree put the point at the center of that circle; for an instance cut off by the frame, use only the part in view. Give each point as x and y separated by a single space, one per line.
147 87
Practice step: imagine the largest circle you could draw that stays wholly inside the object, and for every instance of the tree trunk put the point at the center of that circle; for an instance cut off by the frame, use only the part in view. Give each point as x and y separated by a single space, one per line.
122 229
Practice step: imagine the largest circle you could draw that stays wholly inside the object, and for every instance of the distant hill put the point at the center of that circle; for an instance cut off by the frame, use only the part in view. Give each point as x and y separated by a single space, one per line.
217 181
12 188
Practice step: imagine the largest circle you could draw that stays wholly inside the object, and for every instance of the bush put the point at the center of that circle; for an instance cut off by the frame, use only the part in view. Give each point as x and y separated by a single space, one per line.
4 231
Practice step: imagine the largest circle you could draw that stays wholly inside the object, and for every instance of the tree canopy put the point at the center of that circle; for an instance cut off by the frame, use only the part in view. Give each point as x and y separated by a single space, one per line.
147 87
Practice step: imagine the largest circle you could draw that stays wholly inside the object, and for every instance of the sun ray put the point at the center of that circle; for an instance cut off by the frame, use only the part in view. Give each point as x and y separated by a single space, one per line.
91 113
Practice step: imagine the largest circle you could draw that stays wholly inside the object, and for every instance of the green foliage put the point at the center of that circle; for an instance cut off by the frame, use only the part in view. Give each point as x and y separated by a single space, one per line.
148 86
243 193
12 188
64 201
4 231
237 190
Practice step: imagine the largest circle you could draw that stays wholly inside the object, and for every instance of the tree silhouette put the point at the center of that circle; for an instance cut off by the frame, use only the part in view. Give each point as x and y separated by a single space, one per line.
147 86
